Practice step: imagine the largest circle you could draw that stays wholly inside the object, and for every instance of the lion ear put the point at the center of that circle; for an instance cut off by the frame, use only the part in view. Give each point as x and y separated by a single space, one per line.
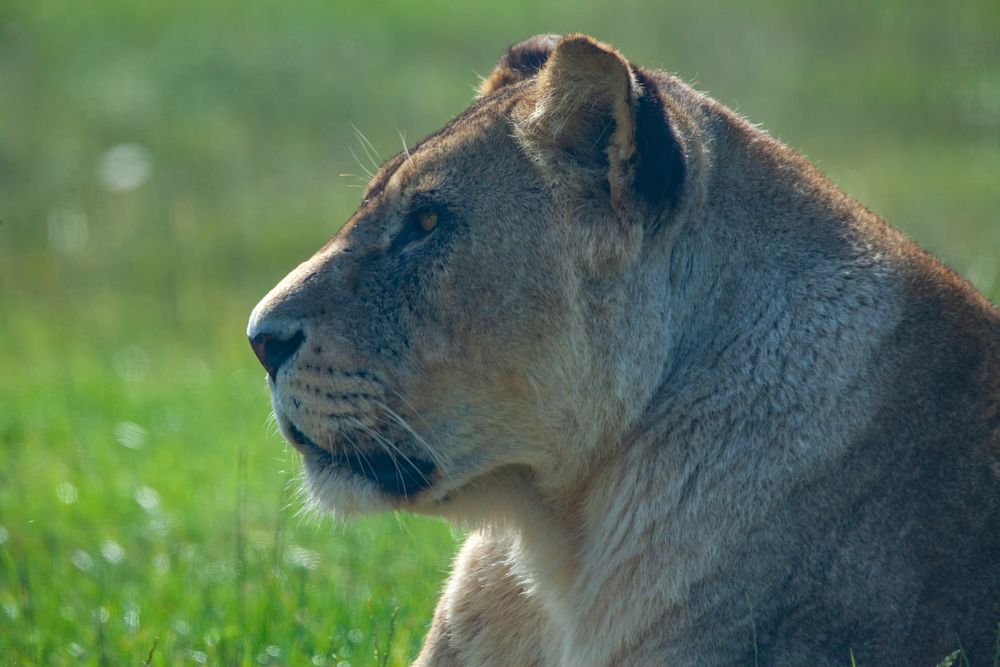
585 106
522 61
593 107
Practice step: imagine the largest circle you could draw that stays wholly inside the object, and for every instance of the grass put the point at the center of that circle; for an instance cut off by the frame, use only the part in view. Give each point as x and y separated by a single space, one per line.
163 164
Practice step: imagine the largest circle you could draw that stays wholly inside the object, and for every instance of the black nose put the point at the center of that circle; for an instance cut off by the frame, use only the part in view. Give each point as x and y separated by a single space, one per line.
273 350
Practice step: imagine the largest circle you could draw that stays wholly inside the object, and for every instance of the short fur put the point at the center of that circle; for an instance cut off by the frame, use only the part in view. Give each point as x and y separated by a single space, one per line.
700 406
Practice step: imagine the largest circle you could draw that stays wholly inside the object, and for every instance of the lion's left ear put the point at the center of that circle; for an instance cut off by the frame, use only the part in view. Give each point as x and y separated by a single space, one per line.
593 107
522 61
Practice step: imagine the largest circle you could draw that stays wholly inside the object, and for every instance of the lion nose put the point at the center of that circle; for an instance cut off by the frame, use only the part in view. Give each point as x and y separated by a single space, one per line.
273 351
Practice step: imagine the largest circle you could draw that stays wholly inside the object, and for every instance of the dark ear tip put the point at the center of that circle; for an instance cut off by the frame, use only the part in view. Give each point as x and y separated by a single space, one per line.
521 61
527 57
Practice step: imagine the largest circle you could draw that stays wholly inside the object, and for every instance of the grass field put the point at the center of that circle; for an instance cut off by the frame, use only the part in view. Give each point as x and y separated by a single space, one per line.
163 164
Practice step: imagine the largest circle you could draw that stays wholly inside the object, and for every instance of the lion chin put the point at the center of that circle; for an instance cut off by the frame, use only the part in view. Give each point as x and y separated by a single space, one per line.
358 472
698 405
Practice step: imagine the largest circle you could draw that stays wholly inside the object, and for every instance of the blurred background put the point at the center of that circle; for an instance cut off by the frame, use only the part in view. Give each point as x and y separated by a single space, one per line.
163 164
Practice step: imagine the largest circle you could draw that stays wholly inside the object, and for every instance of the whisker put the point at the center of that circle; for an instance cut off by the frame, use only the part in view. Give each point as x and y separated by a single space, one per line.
385 445
416 412
412 407
395 421
361 180
361 454
376 157
392 422
433 449
390 448
406 149
271 424
376 436
360 163
368 147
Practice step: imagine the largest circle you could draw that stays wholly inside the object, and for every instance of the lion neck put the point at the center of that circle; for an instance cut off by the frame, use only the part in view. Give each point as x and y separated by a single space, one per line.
768 325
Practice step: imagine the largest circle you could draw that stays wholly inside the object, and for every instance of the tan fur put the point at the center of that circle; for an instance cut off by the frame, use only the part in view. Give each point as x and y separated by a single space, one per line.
699 407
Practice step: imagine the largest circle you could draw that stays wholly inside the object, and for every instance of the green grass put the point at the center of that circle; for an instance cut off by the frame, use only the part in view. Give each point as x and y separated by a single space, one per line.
146 504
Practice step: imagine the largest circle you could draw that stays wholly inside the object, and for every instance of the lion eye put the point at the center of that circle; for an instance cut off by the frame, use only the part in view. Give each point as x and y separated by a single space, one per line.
419 223
427 220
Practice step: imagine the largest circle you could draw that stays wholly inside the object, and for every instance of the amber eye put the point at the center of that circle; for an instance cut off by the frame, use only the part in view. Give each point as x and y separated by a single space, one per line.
419 223
427 219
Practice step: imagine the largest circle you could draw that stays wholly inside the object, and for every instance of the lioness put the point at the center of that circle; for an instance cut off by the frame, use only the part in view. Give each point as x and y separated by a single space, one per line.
701 407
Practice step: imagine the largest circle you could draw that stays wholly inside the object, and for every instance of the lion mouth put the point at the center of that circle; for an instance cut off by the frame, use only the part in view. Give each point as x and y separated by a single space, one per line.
395 474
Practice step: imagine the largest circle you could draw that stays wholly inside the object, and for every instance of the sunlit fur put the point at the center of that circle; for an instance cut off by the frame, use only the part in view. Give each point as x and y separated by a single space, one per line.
746 422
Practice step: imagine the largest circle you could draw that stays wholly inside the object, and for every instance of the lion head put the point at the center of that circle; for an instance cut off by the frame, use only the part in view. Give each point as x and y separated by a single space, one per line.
485 315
